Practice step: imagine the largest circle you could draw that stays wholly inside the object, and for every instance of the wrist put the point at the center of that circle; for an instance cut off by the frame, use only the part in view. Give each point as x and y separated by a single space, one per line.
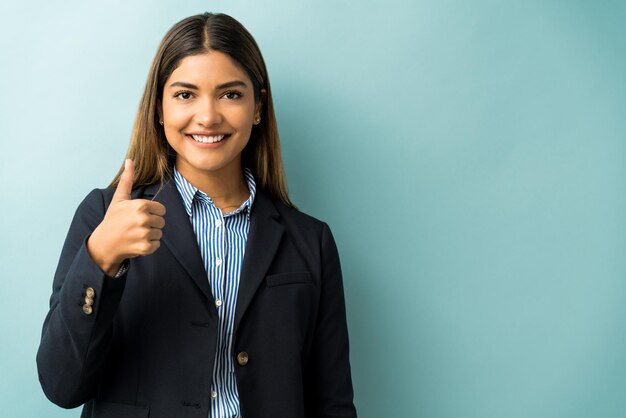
112 270
107 264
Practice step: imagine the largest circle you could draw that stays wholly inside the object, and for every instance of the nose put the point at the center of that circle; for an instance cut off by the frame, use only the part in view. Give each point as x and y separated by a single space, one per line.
208 112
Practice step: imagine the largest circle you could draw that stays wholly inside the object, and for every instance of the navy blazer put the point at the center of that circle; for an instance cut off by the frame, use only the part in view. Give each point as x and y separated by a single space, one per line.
148 347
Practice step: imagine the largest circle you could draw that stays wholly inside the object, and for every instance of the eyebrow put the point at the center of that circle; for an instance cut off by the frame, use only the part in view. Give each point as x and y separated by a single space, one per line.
234 83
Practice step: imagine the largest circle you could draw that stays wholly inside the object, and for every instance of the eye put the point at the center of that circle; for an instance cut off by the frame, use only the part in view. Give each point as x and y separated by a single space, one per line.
232 95
183 94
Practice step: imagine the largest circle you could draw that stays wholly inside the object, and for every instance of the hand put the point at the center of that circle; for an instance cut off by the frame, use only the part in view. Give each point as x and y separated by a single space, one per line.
130 228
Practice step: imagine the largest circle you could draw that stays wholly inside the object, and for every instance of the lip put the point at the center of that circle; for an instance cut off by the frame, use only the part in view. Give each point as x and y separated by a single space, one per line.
207 133
207 145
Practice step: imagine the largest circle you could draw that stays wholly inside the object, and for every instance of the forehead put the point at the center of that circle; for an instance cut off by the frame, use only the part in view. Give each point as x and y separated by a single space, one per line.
208 69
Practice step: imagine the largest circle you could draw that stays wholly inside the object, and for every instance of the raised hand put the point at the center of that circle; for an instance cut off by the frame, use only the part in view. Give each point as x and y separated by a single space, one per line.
130 228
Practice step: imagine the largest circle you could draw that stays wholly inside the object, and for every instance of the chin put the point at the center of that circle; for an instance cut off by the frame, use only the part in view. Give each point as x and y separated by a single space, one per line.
210 166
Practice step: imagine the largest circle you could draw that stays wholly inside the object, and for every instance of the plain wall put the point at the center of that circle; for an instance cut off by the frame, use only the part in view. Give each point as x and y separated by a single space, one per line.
468 156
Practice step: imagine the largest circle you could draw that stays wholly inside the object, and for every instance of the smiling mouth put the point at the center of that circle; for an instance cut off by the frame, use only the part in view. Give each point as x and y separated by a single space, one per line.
208 139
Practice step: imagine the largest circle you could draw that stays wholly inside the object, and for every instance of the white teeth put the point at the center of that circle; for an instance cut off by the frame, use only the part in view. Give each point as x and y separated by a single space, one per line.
207 139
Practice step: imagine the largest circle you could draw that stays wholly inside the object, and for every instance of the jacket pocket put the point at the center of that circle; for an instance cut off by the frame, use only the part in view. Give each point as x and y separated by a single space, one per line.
287 278
119 410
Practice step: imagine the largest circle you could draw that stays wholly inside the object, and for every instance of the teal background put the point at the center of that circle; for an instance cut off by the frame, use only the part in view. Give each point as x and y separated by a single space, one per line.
468 156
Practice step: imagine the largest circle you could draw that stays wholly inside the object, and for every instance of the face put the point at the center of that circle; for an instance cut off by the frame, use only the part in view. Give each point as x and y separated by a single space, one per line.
208 110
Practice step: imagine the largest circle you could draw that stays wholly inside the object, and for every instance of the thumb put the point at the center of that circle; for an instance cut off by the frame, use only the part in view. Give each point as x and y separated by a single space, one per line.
125 184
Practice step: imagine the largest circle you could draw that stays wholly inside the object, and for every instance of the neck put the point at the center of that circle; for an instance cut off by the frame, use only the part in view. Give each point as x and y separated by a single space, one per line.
227 188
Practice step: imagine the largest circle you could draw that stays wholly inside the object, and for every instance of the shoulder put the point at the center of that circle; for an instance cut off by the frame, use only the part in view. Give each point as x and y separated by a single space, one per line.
100 198
302 226
97 200
290 214
302 219
89 214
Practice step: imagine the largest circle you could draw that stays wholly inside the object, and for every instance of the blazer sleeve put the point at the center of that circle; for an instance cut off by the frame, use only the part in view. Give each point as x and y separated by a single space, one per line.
74 344
333 382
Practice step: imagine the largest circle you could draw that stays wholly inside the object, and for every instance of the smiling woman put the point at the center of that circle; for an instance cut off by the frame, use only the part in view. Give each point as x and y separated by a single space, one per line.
241 312
208 123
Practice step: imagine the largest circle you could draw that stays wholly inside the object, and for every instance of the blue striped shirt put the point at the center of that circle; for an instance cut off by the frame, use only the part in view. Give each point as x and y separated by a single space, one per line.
222 241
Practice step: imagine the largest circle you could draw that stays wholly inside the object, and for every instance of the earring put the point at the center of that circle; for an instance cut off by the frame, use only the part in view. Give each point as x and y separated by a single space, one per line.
257 120
161 122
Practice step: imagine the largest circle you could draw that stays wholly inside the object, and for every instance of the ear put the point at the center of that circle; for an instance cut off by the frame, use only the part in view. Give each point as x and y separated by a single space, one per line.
259 103
160 110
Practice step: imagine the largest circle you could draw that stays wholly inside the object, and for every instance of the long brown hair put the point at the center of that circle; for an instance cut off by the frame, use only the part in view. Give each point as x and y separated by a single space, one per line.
153 156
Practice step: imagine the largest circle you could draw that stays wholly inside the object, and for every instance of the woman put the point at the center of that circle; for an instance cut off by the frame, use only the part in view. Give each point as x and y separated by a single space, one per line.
192 286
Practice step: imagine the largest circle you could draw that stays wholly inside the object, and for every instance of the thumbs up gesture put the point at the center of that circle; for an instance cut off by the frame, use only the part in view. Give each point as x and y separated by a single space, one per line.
130 228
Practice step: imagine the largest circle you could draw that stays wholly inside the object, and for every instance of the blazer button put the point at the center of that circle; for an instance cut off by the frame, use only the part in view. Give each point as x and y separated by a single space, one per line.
88 301
88 310
242 358
90 293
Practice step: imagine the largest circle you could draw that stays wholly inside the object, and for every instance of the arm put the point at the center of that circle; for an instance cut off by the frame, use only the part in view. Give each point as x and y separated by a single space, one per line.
74 344
76 338
333 382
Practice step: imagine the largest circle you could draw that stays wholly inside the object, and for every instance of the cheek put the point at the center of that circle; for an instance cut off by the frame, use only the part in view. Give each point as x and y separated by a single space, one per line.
176 116
242 118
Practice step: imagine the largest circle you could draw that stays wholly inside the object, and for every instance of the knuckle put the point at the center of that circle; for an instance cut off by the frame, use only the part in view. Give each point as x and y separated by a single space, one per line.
142 206
144 220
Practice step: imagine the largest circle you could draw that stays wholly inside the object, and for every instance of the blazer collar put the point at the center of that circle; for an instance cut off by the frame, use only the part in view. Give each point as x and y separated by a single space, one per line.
262 243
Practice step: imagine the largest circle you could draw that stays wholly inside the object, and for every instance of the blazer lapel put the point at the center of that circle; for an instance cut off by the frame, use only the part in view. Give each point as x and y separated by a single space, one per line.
263 239
178 233
261 246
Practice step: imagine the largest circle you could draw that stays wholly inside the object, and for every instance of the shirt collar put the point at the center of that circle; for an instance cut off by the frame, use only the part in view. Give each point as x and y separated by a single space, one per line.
189 192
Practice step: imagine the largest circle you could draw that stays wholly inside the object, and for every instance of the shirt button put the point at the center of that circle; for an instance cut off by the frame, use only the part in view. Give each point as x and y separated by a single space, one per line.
213 394
218 261
218 223
218 303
